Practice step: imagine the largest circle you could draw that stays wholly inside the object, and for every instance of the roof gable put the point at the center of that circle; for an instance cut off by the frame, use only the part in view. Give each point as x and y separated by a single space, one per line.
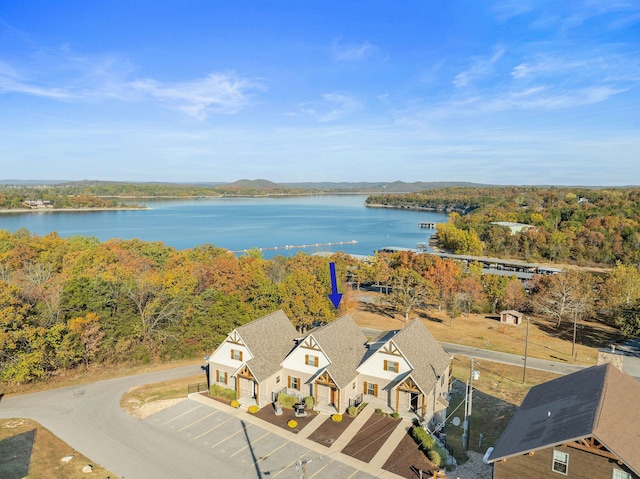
425 355
599 401
268 339
343 343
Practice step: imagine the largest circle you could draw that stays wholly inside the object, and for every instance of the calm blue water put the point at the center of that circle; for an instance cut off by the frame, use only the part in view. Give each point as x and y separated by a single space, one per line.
243 223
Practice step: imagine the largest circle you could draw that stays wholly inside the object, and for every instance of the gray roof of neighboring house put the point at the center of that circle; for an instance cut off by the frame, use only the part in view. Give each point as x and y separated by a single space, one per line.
269 339
344 343
600 401
424 353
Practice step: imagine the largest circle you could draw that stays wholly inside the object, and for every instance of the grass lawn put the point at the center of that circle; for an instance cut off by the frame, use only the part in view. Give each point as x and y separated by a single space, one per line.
29 450
142 401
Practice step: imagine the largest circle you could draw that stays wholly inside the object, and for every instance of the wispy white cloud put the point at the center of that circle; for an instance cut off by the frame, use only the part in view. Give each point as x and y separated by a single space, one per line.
481 66
333 106
352 52
217 93
76 79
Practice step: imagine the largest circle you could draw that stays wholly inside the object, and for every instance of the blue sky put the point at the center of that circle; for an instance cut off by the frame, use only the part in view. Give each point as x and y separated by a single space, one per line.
504 92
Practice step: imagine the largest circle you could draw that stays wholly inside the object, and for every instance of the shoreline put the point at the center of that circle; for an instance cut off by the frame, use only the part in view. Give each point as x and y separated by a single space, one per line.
70 210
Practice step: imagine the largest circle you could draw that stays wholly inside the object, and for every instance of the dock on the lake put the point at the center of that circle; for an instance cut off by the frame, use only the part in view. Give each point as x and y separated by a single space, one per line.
300 246
427 224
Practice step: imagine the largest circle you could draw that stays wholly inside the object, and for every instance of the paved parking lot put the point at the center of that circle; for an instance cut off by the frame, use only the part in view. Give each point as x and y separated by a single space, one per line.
247 446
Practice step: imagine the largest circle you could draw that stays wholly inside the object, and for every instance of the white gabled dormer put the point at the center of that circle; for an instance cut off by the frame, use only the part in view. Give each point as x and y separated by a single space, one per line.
307 357
233 351
387 362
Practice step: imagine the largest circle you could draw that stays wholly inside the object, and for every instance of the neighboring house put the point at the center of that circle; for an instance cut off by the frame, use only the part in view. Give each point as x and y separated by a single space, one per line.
248 360
583 425
334 364
511 316
408 371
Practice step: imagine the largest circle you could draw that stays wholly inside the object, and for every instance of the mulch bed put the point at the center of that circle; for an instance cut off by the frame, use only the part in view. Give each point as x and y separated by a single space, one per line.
217 398
407 459
330 431
267 413
370 438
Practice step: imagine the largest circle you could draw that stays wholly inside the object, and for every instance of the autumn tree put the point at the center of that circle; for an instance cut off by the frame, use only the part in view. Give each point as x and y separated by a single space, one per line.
563 295
443 274
408 290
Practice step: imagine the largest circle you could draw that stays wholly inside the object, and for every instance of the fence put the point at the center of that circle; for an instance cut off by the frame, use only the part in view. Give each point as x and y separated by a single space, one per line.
196 388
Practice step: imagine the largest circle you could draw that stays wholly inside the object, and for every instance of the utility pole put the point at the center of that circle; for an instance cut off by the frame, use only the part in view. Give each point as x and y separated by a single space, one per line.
526 350
468 407
575 326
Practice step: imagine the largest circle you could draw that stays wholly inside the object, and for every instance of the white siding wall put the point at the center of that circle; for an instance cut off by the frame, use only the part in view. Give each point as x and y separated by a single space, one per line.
295 361
374 366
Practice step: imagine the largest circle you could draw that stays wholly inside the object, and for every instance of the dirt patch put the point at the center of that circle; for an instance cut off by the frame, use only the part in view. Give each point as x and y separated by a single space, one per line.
407 459
330 431
143 411
371 437
267 413
29 450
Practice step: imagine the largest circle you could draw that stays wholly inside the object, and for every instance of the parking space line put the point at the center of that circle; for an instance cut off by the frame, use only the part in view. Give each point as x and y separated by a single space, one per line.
213 428
354 473
229 437
197 421
266 456
322 469
180 415
288 465
251 444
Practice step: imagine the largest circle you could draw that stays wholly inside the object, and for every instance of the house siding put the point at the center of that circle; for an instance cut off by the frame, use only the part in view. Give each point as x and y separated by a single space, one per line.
582 465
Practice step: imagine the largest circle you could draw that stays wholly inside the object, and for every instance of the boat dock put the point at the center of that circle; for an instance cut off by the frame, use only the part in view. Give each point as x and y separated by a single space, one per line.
301 246
427 224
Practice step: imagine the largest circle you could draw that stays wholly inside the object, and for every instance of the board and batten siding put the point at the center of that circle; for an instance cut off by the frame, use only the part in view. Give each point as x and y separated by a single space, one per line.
375 366
295 361
582 464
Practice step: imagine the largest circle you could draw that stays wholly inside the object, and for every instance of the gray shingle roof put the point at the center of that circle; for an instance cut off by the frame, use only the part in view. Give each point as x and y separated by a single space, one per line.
424 353
344 343
269 339
600 401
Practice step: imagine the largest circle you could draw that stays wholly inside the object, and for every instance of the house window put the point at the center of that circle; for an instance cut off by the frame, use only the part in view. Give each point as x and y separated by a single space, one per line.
221 376
294 383
277 379
236 354
391 366
560 462
310 360
618 474
371 389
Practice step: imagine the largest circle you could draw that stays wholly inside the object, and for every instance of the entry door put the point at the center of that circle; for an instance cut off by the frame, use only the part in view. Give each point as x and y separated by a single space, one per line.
246 388
334 396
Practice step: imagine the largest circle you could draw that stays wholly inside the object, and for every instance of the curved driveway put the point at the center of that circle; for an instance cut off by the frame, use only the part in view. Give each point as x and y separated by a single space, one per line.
89 419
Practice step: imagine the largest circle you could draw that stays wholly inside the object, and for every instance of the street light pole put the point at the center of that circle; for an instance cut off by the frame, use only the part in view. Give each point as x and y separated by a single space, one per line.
575 326
526 349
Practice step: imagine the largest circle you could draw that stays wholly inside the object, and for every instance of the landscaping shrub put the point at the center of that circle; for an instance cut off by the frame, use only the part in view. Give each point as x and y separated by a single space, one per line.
378 410
435 458
286 400
292 424
309 402
352 411
423 438
336 417
395 415
222 392
253 409
235 403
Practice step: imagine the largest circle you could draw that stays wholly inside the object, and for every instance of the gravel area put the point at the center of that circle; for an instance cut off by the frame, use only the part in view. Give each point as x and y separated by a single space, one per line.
474 468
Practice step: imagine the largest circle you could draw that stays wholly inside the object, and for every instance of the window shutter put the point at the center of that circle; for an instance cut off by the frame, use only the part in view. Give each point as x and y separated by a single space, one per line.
306 359
375 390
365 387
386 365
288 381
240 355
395 367
217 375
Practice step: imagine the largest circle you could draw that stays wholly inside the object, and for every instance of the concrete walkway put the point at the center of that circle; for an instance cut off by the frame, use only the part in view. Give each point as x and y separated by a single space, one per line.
333 453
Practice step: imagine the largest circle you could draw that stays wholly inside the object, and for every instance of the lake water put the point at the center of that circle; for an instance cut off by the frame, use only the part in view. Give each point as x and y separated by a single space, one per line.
243 223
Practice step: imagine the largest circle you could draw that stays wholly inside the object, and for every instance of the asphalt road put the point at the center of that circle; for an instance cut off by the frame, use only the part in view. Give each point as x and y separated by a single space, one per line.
89 419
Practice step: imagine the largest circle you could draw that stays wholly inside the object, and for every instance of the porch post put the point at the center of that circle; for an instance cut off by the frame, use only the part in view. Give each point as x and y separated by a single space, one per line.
397 399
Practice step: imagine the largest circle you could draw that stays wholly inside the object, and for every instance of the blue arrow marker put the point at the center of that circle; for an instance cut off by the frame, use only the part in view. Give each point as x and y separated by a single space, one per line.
335 297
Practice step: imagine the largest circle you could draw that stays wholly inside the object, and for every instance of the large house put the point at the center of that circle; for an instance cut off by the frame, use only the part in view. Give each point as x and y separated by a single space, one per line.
335 364
583 425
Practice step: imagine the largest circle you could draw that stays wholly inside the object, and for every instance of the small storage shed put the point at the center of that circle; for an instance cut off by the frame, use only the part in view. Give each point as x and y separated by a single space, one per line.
511 316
